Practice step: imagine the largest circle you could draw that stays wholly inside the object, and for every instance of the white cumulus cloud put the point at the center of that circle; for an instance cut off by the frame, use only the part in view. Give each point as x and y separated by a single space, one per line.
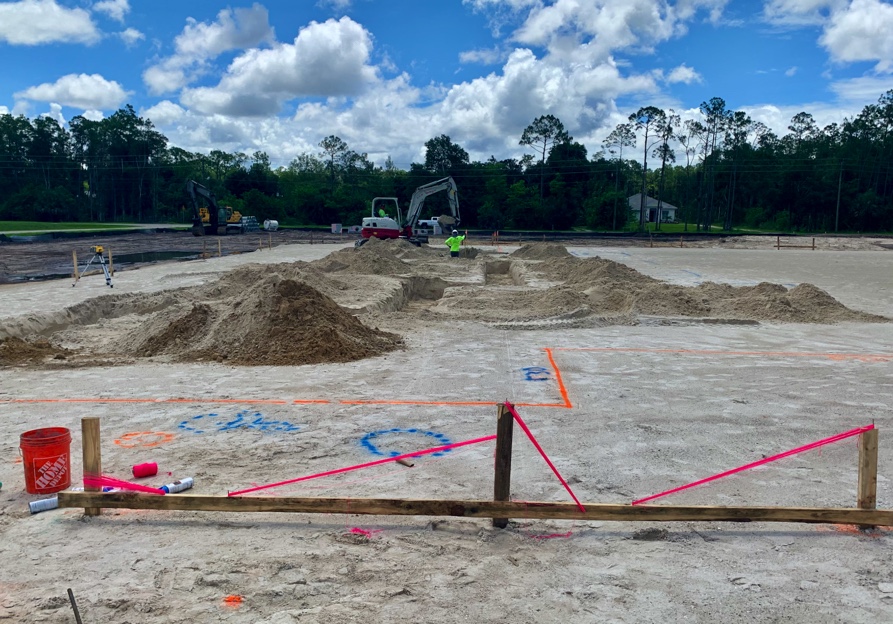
592 31
684 74
84 91
164 113
234 29
326 59
55 112
36 22
115 9
862 32
800 12
130 36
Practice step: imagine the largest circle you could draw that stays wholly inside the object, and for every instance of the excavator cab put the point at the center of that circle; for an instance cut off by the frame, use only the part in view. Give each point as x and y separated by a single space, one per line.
395 226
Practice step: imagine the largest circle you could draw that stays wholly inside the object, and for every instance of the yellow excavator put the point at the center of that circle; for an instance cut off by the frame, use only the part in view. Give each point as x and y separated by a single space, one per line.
211 219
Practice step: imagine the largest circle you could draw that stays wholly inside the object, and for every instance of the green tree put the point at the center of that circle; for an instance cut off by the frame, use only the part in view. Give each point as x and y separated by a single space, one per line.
543 133
442 155
649 120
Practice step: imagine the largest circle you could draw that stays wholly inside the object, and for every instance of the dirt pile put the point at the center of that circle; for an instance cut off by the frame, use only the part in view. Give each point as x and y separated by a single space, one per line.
615 288
541 251
276 321
376 257
14 351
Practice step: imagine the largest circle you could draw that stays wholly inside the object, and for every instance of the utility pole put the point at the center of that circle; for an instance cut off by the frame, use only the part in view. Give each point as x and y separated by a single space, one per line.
839 183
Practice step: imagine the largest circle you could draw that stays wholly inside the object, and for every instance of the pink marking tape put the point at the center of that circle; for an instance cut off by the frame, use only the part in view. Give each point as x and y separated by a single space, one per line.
801 449
366 533
378 462
104 481
523 426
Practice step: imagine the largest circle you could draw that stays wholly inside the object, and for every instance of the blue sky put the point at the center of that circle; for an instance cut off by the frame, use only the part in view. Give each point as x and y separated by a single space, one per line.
386 76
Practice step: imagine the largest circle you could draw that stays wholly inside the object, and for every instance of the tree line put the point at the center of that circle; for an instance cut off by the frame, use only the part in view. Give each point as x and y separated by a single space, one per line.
721 170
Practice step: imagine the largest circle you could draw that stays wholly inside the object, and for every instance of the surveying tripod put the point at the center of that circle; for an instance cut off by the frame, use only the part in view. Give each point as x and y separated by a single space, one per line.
99 258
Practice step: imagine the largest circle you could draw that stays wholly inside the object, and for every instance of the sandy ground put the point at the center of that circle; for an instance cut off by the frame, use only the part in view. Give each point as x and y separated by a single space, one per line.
647 414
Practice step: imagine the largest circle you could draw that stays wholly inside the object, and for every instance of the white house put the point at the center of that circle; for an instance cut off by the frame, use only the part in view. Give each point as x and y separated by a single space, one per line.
667 211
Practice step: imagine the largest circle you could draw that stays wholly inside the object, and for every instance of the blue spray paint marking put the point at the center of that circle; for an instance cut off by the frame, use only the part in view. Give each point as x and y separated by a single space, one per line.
437 439
690 272
206 422
536 373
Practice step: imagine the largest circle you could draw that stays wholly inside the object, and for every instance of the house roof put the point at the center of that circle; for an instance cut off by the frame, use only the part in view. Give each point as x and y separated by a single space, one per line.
636 201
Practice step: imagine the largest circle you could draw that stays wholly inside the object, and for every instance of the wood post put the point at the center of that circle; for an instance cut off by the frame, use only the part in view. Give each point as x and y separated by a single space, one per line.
502 481
270 241
74 258
219 248
778 242
813 244
867 490
92 456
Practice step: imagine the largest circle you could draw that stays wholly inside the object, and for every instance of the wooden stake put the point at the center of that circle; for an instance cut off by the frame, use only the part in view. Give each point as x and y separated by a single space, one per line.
219 248
111 263
476 508
867 490
778 242
74 258
92 456
502 478
270 237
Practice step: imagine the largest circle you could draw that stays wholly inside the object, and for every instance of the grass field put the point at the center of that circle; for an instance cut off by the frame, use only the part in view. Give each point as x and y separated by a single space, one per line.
11 227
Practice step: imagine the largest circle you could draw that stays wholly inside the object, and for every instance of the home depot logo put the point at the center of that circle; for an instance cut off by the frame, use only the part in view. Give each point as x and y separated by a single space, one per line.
51 472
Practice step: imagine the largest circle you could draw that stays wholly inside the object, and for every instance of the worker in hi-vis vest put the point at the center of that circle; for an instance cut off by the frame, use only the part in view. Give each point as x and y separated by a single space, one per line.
454 242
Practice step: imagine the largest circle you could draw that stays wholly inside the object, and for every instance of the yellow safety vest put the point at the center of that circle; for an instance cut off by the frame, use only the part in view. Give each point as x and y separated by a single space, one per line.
455 242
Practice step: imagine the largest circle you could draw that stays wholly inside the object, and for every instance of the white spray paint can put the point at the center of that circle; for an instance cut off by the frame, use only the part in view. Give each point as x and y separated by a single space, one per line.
177 486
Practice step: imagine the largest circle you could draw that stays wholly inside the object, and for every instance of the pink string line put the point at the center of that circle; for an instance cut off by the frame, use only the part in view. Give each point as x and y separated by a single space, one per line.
802 449
378 462
101 481
520 422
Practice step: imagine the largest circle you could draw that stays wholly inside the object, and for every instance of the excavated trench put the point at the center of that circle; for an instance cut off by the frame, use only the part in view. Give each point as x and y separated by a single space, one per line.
421 291
503 273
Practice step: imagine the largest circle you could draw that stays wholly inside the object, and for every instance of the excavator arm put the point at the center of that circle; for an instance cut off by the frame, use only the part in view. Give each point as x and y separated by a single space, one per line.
425 191
195 191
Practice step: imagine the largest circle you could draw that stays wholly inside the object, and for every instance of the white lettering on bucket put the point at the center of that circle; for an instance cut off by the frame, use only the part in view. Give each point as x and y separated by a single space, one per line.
51 472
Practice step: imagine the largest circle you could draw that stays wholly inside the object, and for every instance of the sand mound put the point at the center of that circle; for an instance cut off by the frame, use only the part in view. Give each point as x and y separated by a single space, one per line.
376 257
276 321
541 251
615 288
15 351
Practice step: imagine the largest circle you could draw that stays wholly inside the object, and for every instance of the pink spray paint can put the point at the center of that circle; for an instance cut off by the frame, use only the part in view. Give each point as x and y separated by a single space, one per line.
145 470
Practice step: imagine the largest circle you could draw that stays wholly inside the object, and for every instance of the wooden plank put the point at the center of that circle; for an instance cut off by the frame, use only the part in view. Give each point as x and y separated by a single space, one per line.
502 478
92 456
475 508
867 489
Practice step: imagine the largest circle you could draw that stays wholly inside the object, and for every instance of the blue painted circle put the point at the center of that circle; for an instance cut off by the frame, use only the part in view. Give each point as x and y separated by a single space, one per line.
437 439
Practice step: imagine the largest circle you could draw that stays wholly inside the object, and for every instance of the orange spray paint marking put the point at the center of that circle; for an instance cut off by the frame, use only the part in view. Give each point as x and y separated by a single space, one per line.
854 529
561 387
232 601
146 439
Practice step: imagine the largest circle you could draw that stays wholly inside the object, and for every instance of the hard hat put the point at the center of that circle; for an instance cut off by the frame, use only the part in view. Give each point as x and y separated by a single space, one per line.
455 231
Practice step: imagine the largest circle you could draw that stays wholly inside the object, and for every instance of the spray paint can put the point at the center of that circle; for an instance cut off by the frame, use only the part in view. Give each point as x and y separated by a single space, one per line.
44 504
177 486
145 470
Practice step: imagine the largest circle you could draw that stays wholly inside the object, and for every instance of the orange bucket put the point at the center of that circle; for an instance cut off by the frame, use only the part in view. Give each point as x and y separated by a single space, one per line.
47 459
